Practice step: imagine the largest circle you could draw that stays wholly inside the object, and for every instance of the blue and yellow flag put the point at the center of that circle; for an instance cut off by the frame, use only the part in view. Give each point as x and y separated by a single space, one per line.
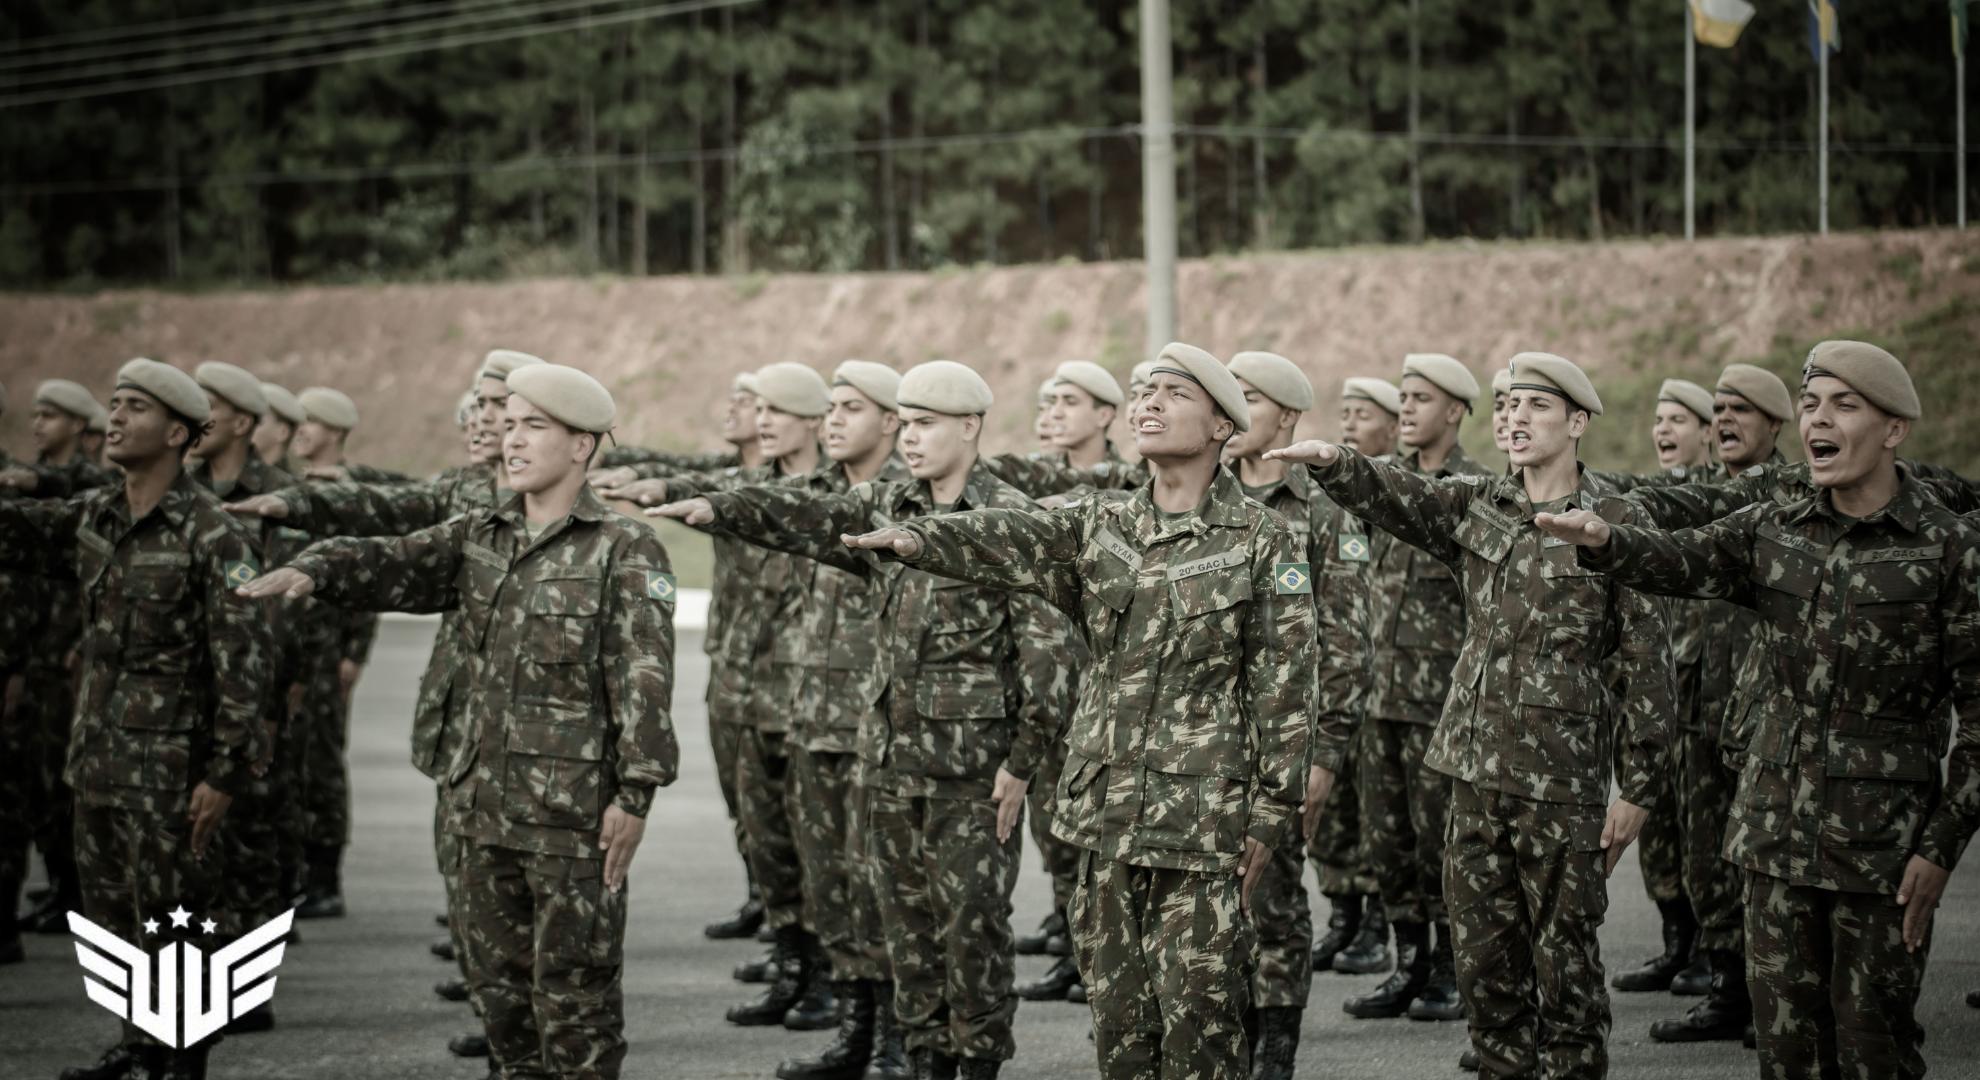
1824 27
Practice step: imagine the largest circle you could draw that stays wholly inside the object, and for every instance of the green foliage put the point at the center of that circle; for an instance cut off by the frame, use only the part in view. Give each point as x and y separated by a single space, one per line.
828 135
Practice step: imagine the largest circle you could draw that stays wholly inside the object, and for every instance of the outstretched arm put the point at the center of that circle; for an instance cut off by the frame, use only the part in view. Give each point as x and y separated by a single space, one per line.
1421 511
1033 551
781 518
1713 562
415 572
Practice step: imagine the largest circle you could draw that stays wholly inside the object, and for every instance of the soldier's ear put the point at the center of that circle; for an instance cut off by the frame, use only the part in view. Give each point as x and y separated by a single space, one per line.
1899 431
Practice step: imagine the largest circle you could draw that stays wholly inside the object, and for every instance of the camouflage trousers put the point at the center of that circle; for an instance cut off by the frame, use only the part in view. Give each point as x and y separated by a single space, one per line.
834 886
727 693
1164 954
1660 847
1282 955
325 731
47 711
1405 809
20 787
1705 791
291 762
447 852
257 882
138 865
545 951
1336 849
944 885
1526 892
1834 990
763 768
1060 859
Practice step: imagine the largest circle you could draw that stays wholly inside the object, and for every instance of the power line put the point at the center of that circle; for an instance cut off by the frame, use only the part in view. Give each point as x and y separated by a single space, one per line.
308 38
126 86
191 22
449 169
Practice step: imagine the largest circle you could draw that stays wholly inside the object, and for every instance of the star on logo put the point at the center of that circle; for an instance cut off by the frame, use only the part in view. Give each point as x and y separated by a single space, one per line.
180 916
208 926
151 926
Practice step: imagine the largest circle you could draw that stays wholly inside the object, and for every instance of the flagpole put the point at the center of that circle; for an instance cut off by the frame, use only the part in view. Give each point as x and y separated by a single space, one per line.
1690 122
1822 64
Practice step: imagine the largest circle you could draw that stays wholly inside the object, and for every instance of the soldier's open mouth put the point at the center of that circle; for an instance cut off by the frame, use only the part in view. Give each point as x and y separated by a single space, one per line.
1666 446
1821 450
1520 438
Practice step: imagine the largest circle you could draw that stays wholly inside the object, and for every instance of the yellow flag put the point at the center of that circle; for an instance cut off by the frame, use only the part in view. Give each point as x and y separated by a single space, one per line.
1718 22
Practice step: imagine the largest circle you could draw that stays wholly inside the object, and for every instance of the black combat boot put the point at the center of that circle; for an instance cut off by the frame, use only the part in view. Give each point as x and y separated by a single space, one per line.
744 923
1037 944
1680 941
1342 926
1725 1012
1468 1061
443 948
440 921
323 896
1368 954
1973 999
451 989
11 951
942 1066
1054 985
1412 974
784 990
763 969
1439 999
1278 1044
474 1044
890 1056
124 1061
817 1008
970 1068
50 914
847 1057
188 1064
1696 979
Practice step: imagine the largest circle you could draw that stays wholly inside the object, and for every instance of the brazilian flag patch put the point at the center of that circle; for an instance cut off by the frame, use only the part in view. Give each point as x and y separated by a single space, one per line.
659 586
1352 548
240 572
1293 578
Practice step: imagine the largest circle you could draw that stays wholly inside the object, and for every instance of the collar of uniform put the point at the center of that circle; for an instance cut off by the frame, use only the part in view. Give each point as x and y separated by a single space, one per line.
921 494
587 507
1906 508
1511 488
1223 505
1413 462
1299 482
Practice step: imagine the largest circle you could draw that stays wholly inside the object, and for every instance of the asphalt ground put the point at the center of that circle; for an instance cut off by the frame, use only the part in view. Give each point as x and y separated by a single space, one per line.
355 1000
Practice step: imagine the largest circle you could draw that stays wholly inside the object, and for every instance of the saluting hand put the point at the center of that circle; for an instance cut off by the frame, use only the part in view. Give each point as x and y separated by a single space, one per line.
1624 823
287 582
268 506
1008 794
619 834
1251 868
1307 452
688 511
1918 894
643 492
19 479
900 541
1319 785
1583 527
618 476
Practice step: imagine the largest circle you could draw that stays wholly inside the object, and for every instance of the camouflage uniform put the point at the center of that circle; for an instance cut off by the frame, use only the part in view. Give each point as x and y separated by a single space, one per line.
975 682
1191 737
1868 646
174 687
1525 736
567 641
1326 538
23 609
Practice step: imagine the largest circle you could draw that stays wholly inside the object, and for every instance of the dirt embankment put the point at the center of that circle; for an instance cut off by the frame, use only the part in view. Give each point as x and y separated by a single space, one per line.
1633 313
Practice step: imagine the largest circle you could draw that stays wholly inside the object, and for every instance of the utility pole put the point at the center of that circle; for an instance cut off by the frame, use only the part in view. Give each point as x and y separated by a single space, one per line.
1690 126
1158 174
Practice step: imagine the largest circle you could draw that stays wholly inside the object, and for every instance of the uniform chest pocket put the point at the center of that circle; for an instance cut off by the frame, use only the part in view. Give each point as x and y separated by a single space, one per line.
561 619
157 593
1893 603
1106 588
1483 536
1208 609
1787 578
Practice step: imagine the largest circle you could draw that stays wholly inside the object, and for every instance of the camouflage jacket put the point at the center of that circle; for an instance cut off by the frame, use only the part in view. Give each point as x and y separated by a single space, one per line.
570 647
844 630
77 475
637 457
1191 730
1039 475
372 474
1328 539
299 628
350 509
24 604
975 678
174 664
1416 616
1868 643
62 629
1528 713
1780 481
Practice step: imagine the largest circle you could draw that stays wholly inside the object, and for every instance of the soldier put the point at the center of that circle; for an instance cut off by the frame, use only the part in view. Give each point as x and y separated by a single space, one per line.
566 626
1869 622
1276 393
1681 438
1188 754
21 610
278 426
174 668
1501 430
1041 424
1369 414
977 692
90 443
1085 398
1525 732
1417 626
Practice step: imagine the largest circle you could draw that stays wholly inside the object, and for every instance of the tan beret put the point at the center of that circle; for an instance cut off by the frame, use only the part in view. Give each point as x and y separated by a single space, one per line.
1276 377
331 408
1093 379
1446 373
282 403
175 389
566 395
793 388
233 385
1688 394
1501 381
1206 371
501 363
1761 387
877 381
945 386
70 397
744 383
1045 390
1870 371
1380 391
1141 373
464 409
1556 375
100 423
